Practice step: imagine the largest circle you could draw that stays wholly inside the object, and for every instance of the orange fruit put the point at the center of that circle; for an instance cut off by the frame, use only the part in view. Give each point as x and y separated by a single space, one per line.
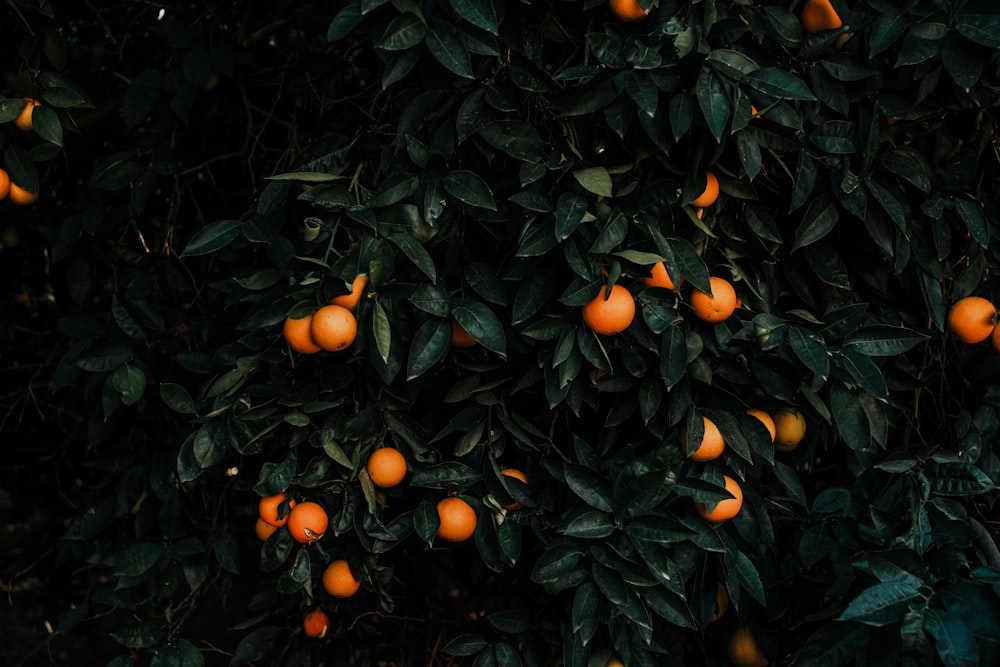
789 429
724 509
20 196
264 530
615 661
350 301
611 315
765 419
718 305
268 509
457 519
628 10
753 112
516 474
711 445
24 119
721 601
339 581
297 335
995 338
819 15
460 337
386 467
333 328
971 318
710 194
316 623
307 522
658 277
744 651
4 183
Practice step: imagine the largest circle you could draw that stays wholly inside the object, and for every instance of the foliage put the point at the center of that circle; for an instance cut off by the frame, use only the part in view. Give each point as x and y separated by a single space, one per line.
495 164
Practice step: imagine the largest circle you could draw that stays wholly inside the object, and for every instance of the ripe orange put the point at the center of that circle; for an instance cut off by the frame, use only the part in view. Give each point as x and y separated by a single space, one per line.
20 196
658 277
744 651
339 581
611 315
819 15
264 530
460 337
316 623
718 305
307 522
614 661
971 318
628 10
710 194
386 467
725 509
711 445
721 601
268 509
765 419
350 301
4 183
995 338
297 335
789 429
24 119
516 474
458 519
333 328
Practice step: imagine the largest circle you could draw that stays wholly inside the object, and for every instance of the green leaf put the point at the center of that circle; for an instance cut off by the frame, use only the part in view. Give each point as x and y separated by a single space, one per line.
953 639
818 221
141 635
47 125
481 323
515 138
775 82
714 102
592 487
430 344
137 559
465 645
881 604
849 417
590 525
404 31
810 350
864 371
882 340
584 612
130 382
480 13
972 216
910 165
446 46
957 479
212 237
257 644
469 187
415 253
570 211
594 179
980 28
382 331
445 475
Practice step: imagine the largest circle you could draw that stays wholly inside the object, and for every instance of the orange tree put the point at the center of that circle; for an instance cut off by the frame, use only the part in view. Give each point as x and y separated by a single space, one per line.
492 168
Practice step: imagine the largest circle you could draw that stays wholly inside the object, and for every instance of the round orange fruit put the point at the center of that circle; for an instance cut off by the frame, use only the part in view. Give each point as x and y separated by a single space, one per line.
658 277
339 581
386 467
765 419
4 184
460 337
972 318
711 446
724 509
350 301
268 509
818 15
995 338
744 651
333 328
789 429
717 306
24 120
264 530
296 331
20 196
457 519
316 623
610 315
515 474
628 10
709 194
307 522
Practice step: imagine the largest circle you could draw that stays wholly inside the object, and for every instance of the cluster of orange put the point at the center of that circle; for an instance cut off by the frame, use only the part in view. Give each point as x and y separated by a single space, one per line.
9 189
974 319
332 328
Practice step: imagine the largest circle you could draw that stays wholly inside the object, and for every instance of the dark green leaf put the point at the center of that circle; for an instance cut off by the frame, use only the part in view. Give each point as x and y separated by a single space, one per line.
404 31
881 340
480 13
880 604
469 187
481 323
430 344
446 46
213 236
590 486
775 82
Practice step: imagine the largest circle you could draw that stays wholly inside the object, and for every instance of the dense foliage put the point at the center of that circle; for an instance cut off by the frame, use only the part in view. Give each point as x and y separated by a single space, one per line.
495 164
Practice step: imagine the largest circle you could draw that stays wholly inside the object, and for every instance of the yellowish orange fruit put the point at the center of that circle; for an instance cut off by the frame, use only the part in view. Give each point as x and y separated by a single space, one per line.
307 522
263 529
765 419
386 467
457 519
789 429
24 120
350 301
711 446
460 337
717 306
4 184
658 277
819 15
710 193
20 196
995 338
972 319
333 328
615 661
724 509
316 623
298 336
268 508
610 315
628 10
744 651
339 581
515 474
